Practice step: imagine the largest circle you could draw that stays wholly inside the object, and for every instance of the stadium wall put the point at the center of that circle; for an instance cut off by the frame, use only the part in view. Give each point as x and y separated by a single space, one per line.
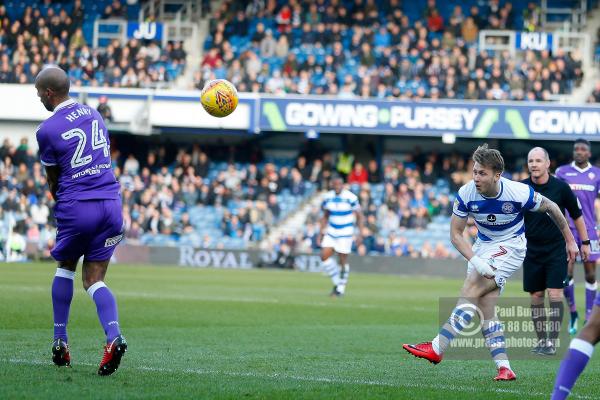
155 111
186 256
130 108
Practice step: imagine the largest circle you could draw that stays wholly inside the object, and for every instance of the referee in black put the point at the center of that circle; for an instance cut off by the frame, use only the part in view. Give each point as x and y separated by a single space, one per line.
545 265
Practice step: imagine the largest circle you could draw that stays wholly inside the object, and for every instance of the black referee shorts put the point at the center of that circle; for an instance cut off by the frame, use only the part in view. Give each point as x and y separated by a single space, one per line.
544 267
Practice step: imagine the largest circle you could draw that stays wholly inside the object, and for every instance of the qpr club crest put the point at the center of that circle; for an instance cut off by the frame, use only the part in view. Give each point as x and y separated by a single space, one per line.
508 208
591 175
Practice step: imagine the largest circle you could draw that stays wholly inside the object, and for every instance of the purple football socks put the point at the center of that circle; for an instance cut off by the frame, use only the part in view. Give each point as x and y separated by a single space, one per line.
570 295
571 367
62 294
106 306
590 296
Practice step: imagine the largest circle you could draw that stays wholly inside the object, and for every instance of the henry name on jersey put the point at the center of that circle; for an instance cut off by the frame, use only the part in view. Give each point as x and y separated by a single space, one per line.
81 111
500 217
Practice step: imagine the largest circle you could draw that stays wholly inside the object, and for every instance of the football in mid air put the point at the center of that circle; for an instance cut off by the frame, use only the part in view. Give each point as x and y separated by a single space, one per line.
219 98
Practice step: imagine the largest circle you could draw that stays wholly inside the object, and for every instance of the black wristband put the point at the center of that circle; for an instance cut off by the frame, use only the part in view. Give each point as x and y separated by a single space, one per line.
586 242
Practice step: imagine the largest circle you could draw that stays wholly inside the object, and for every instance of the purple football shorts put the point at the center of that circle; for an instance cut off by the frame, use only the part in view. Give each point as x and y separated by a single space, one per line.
89 228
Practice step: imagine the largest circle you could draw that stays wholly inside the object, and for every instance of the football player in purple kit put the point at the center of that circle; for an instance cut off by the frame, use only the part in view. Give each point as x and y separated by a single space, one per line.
584 180
74 148
579 354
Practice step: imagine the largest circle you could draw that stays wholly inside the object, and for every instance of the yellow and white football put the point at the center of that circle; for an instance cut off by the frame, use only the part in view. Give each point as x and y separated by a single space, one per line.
219 98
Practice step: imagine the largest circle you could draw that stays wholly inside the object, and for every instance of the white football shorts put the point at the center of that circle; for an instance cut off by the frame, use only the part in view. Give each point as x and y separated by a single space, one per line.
341 245
505 256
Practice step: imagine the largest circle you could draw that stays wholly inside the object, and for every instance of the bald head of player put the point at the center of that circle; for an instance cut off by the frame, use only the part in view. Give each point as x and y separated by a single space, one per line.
52 85
538 163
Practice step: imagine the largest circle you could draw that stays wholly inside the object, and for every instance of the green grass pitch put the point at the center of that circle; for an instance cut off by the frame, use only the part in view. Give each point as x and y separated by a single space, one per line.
231 334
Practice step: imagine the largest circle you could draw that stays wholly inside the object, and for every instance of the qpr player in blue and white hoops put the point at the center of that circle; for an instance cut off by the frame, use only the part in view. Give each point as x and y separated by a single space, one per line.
341 211
497 205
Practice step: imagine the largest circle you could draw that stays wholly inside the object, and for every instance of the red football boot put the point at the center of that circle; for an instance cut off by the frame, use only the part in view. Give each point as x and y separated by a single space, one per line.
113 352
505 374
423 350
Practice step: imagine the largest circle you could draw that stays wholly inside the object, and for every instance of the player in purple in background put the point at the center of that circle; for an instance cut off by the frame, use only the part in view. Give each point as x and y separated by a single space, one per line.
584 180
74 147
579 354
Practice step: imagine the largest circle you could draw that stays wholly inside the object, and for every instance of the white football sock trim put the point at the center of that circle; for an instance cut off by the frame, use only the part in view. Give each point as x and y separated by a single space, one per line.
502 363
591 286
328 262
571 282
92 289
65 273
582 346
435 345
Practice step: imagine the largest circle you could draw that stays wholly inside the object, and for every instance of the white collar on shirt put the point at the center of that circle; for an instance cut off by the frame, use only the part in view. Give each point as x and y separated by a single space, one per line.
64 104
580 170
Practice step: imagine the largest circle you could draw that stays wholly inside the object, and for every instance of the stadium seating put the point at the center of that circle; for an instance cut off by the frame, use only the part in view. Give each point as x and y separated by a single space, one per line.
367 49
353 56
39 33
395 226
212 223
209 208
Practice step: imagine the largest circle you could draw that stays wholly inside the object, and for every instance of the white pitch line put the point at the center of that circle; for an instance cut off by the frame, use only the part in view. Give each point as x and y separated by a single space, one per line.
333 380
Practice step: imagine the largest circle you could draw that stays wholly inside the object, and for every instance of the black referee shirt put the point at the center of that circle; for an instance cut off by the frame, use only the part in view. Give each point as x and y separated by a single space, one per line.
539 228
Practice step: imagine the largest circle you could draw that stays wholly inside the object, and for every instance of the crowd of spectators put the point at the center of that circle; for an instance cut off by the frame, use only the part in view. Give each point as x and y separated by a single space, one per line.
396 200
160 192
53 33
160 188
25 202
399 202
375 49
246 194
163 186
